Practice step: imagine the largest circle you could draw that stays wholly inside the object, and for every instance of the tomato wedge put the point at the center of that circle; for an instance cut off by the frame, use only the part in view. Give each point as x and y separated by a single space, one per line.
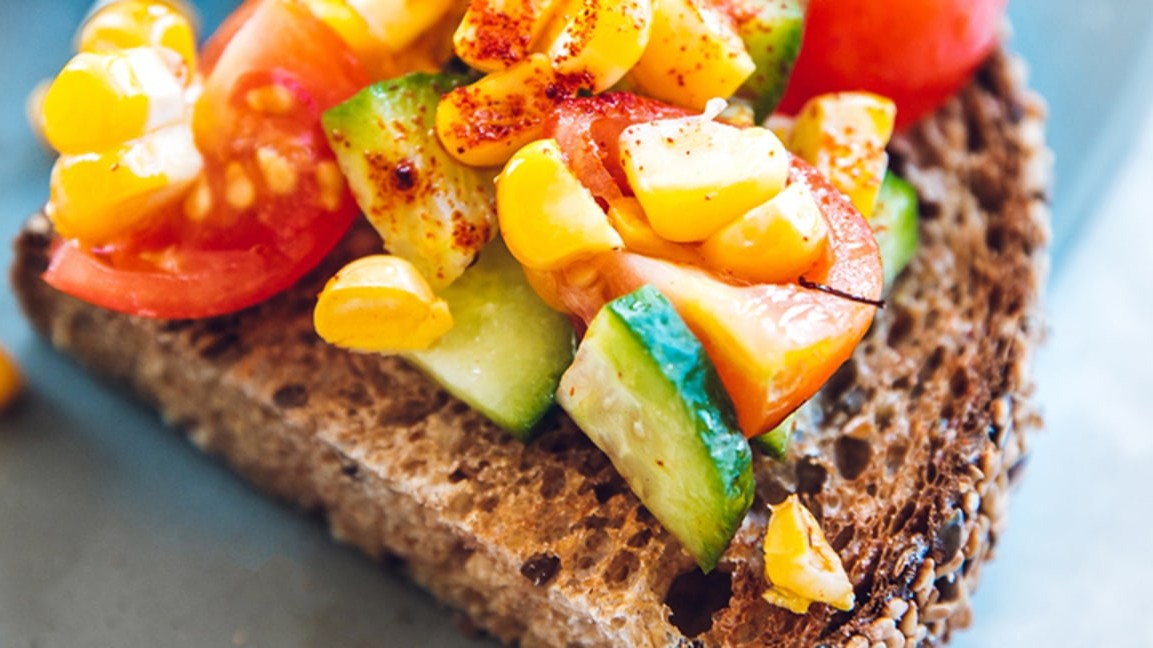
916 53
588 130
774 345
271 201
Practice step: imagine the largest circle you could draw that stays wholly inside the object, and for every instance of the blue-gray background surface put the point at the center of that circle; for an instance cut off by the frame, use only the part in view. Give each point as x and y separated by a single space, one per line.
113 532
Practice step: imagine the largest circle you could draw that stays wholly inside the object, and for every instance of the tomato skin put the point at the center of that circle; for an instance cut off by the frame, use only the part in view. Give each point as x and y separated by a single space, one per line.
588 130
774 345
916 52
233 257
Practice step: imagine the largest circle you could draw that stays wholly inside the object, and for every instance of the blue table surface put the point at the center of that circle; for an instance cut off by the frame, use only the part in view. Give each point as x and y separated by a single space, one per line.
115 533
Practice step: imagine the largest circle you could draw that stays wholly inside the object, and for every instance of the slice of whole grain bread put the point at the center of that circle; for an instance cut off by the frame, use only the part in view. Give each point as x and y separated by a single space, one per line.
906 459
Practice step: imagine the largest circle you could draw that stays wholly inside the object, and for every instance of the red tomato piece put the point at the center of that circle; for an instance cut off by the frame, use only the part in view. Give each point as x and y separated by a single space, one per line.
275 204
588 130
916 52
774 345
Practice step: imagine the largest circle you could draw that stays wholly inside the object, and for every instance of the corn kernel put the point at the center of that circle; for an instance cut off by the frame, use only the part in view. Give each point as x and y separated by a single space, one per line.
350 25
799 563
628 218
483 124
495 34
380 303
600 39
397 23
548 218
140 23
774 242
98 197
693 175
844 135
99 101
11 382
694 54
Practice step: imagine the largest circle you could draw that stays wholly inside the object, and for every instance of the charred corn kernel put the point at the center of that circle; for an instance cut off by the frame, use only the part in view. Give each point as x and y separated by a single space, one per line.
600 39
397 23
495 34
548 218
483 124
694 54
125 24
844 135
380 303
628 218
97 197
693 175
99 101
774 242
799 563
11 382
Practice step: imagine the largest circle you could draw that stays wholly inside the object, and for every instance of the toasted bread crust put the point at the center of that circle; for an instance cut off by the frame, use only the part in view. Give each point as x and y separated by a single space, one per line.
907 458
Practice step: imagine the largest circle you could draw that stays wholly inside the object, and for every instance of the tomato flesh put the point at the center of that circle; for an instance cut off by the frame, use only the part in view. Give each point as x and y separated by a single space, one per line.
588 130
916 52
240 251
774 345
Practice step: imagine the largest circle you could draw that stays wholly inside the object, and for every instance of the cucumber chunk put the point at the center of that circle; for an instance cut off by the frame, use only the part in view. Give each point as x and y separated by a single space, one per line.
772 31
894 223
643 390
506 351
429 208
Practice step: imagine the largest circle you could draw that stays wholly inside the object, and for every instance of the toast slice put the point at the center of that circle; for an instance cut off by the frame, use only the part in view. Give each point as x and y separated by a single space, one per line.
907 458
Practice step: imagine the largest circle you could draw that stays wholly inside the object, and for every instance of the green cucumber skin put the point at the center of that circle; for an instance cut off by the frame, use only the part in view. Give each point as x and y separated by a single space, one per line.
775 443
894 223
644 391
429 208
506 351
772 34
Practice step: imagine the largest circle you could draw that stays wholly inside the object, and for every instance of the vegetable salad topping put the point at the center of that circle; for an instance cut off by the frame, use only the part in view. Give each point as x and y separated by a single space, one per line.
723 270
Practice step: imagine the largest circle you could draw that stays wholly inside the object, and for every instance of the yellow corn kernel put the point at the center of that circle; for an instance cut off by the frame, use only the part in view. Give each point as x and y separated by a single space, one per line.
98 197
126 24
11 382
548 218
380 303
397 23
600 39
628 218
495 34
352 27
844 135
799 563
99 101
694 54
483 124
774 242
693 175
